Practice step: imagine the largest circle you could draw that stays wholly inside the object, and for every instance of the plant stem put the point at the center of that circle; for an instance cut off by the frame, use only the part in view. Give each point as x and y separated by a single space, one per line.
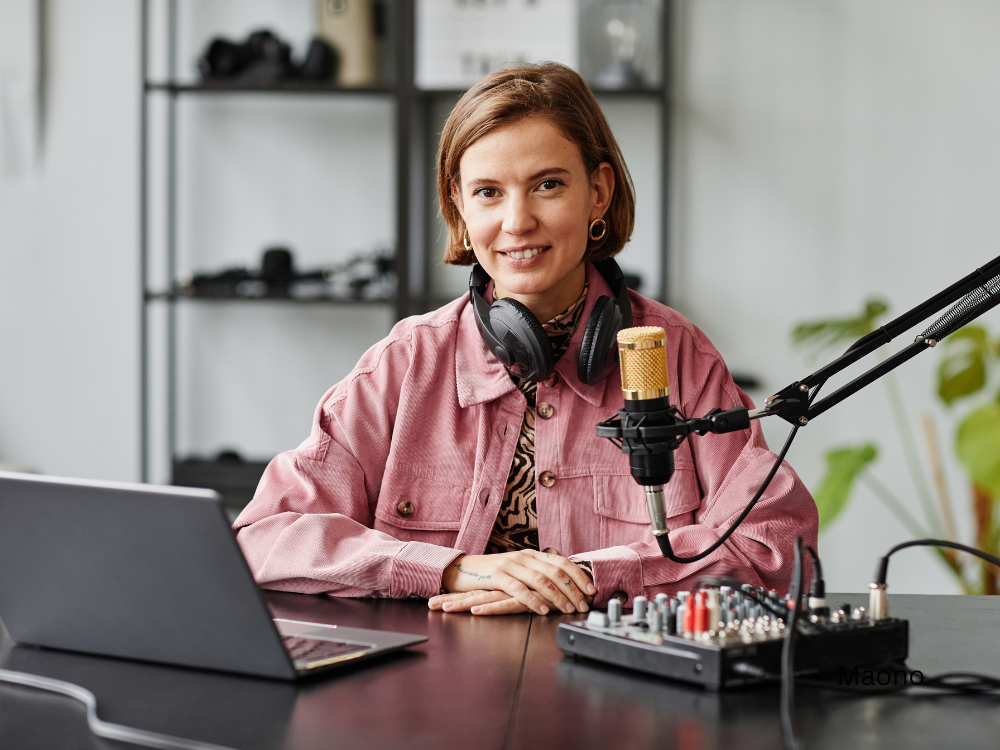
892 503
910 451
937 470
884 495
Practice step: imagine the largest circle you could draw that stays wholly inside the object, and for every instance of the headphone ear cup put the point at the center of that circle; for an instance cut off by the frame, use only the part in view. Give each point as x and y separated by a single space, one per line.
599 349
527 343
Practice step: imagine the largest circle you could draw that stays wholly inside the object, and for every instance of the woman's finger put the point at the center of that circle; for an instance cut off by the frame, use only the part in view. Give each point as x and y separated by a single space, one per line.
525 594
508 606
565 583
570 568
527 570
538 582
474 598
436 602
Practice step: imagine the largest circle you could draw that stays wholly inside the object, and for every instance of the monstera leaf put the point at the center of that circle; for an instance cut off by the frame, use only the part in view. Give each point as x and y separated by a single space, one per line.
978 446
824 333
843 465
962 372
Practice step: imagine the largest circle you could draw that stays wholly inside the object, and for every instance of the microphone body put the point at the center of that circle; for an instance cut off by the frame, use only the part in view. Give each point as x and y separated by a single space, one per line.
642 355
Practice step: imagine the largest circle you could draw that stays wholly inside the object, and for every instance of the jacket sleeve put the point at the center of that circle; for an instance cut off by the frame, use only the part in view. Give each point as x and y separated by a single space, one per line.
729 468
308 527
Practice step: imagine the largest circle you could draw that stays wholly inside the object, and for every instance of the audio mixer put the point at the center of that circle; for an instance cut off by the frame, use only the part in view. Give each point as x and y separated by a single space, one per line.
723 638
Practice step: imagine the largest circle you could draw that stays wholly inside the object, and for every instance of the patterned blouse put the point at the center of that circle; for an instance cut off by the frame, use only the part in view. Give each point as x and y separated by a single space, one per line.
516 527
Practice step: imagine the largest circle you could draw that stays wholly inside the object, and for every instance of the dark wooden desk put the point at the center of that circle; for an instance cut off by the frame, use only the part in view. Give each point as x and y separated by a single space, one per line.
502 683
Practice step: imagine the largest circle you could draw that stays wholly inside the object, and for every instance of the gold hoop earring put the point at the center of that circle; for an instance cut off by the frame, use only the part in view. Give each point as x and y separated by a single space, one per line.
604 229
465 241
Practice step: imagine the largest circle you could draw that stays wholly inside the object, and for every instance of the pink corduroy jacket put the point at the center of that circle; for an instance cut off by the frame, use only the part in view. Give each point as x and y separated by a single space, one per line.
408 458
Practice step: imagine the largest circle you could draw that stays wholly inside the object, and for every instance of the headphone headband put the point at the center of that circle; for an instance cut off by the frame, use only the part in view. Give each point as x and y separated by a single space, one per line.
519 341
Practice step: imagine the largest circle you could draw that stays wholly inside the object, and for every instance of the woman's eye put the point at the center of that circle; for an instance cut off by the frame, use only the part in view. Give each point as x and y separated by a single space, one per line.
550 184
486 192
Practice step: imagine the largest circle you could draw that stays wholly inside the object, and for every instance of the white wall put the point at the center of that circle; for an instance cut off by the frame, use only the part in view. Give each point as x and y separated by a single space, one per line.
825 152
68 289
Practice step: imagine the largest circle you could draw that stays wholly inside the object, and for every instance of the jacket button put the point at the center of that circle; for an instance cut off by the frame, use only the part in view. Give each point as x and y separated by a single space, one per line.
552 381
620 596
545 410
547 479
405 509
550 551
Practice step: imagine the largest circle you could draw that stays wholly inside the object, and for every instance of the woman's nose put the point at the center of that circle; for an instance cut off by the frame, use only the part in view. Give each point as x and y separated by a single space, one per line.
518 218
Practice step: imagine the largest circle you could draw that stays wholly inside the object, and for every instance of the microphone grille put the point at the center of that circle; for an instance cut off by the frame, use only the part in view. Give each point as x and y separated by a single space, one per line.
642 354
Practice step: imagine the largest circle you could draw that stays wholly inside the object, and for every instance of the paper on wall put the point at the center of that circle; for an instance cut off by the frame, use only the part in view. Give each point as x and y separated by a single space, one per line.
460 41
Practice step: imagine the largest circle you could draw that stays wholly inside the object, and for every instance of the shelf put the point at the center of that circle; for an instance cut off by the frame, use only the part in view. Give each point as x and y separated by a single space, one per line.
289 87
235 480
293 87
318 300
629 93
655 93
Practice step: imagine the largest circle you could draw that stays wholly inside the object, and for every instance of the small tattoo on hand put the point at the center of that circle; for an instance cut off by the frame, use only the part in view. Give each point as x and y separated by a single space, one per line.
477 576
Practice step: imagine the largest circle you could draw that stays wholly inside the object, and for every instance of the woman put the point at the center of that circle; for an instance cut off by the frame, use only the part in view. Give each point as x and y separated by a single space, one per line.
434 471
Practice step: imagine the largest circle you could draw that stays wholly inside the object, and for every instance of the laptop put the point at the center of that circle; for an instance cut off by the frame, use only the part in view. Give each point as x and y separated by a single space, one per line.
151 573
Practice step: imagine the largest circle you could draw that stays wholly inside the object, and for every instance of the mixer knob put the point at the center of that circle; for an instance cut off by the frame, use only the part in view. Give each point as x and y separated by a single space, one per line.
639 608
655 621
614 612
598 619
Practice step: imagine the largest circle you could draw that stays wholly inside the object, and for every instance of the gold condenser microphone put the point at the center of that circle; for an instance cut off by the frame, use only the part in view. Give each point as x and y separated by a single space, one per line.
642 354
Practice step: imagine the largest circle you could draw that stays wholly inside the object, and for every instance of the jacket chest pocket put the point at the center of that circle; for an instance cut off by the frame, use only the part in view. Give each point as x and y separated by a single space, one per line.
620 505
415 508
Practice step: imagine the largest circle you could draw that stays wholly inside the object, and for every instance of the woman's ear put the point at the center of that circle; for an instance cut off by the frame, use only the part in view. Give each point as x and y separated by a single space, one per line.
602 181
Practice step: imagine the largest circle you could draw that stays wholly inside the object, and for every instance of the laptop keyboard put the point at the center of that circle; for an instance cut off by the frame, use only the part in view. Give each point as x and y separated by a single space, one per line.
309 653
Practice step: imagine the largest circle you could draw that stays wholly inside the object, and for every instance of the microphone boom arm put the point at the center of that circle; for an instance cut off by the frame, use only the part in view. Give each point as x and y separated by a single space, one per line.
792 403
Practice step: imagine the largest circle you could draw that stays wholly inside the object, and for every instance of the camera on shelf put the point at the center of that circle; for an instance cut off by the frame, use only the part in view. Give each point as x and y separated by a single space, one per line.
264 59
366 276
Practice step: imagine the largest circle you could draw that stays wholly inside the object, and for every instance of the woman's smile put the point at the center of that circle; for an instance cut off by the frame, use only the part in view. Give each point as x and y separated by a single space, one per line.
523 253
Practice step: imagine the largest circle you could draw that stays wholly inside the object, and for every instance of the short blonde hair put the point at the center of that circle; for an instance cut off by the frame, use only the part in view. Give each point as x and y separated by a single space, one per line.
560 95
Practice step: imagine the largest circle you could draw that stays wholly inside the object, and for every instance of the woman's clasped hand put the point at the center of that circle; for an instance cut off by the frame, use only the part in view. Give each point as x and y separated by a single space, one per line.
512 582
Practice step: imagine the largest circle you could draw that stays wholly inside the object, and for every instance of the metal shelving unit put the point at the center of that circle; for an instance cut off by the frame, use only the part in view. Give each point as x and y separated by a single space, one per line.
415 137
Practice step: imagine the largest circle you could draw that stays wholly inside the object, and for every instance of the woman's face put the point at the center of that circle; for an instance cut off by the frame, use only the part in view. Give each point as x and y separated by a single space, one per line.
528 202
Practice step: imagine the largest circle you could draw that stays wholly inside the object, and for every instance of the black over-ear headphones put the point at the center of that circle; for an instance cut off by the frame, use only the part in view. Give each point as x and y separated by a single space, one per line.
518 340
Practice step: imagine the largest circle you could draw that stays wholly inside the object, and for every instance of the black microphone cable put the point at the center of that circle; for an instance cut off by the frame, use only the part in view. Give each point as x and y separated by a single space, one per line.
788 652
882 572
664 541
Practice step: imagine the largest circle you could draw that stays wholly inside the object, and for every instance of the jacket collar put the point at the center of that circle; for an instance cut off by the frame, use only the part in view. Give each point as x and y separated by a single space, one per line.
481 377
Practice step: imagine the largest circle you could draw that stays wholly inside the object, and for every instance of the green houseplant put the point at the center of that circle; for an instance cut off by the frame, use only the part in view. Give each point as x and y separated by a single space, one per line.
964 375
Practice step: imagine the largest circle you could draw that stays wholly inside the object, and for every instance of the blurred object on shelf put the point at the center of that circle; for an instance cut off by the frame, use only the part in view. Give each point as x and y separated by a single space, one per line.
620 44
265 60
747 381
17 468
234 478
459 41
633 280
277 271
355 29
320 63
366 276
